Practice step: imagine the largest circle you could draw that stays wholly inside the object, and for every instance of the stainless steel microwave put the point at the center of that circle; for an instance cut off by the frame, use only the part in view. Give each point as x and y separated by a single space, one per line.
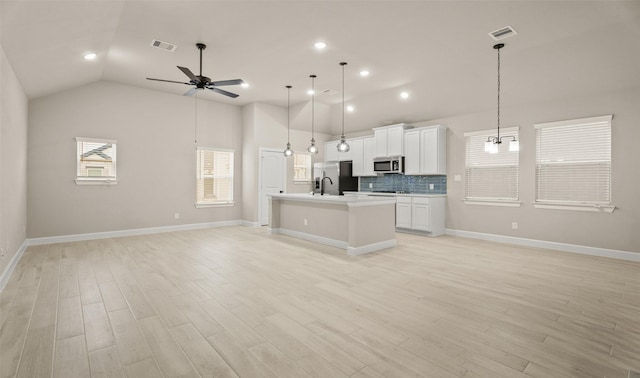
392 164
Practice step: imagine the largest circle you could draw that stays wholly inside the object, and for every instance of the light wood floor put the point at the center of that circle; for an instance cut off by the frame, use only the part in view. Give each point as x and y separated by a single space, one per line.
234 301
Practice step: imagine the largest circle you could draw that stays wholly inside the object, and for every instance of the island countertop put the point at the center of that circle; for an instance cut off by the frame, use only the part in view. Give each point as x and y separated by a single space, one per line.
357 200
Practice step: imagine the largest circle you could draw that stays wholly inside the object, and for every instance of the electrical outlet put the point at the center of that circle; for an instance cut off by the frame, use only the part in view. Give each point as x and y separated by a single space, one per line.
176 216
370 185
514 225
431 186
457 178
306 222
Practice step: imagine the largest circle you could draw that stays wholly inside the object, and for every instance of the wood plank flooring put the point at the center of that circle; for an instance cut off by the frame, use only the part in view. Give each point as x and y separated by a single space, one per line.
236 302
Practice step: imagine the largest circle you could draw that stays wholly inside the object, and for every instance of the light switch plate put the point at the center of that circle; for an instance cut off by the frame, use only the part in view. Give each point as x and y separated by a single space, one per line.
457 178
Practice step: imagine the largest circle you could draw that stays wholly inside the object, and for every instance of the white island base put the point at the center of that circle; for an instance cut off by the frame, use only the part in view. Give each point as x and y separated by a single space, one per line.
357 224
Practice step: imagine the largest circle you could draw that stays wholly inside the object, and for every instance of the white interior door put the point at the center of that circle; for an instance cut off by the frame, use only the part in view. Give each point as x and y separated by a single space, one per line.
272 180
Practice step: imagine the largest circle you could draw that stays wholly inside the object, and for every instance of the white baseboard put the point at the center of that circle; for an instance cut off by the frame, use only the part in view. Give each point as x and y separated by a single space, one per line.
356 251
134 232
574 248
309 237
4 278
247 223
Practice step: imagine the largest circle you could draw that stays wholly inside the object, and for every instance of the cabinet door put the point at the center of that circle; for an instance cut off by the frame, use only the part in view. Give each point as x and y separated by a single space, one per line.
395 138
429 159
369 146
381 142
357 155
412 153
403 215
331 151
420 217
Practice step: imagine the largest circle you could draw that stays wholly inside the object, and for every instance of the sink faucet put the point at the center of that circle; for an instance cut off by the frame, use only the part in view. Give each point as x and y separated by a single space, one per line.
322 184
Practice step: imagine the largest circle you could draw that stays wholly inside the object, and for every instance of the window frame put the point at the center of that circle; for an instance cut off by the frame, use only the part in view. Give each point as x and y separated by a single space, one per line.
582 205
309 168
96 180
492 201
231 175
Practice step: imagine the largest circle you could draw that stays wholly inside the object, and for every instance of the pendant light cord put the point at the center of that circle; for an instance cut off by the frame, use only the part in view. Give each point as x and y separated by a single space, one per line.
313 97
343 98
288 112
498 94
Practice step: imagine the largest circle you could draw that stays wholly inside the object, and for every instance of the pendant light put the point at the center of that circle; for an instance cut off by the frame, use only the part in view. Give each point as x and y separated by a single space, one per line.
312 149
288 151
492 143
343 146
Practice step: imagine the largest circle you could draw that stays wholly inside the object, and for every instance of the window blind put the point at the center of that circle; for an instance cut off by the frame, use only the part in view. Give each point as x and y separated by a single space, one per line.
573 161
96 159
491 176
214 176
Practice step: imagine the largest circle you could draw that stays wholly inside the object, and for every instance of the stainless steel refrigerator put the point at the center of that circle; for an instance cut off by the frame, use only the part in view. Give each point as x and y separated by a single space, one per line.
336 176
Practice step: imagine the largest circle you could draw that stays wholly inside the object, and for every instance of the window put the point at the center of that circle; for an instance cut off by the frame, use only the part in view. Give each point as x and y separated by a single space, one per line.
491 178
96 161
214 176
301 168
573 164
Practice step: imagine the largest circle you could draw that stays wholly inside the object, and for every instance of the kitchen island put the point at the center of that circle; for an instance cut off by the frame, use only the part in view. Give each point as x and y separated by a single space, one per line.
358 224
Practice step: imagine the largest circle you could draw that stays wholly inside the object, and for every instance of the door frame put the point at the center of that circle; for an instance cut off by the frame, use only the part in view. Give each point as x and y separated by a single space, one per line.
261 150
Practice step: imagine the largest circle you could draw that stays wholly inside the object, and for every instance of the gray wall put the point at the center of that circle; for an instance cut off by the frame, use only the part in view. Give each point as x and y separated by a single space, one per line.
618 230
155 159
13 163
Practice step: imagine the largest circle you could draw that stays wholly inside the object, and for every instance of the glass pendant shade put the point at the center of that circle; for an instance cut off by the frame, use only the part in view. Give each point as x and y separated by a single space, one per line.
343 146
312 149
514 146
488 145
288 151
494 148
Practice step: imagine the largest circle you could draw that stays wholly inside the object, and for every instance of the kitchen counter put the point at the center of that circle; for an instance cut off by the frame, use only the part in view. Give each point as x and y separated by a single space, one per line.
358 224
384 194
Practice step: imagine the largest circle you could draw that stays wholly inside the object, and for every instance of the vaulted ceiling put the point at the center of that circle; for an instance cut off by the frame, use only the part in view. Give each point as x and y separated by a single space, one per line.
437 51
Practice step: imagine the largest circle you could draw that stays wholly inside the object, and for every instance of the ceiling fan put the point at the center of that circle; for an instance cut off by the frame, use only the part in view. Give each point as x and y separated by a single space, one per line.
202 82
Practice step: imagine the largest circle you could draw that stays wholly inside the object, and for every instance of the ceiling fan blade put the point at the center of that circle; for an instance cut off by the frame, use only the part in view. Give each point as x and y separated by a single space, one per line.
226 82
223 92
169 81
191 91
189 74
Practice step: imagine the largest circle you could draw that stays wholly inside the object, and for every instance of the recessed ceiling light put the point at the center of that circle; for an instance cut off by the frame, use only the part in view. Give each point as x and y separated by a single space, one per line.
310 92
320 45
244 85
350 108
90 56
364 73
404 94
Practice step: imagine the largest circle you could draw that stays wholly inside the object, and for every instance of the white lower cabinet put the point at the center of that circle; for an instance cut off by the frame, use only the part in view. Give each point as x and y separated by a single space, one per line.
403 212
421 214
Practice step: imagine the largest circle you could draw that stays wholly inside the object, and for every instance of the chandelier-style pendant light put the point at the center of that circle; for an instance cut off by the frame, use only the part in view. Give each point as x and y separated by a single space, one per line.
492 143
343 146
312 149
288 151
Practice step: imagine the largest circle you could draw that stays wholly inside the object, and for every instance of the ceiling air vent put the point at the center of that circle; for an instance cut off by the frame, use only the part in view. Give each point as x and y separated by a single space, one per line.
164 45
503 33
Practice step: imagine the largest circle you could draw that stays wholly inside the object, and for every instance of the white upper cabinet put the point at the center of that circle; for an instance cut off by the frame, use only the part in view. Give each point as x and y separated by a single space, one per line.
362 151
390 139
425 151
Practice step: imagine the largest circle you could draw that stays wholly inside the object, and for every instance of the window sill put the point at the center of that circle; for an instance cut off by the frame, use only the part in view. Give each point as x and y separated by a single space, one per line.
493 203
96 182
205 205
301 182
575 207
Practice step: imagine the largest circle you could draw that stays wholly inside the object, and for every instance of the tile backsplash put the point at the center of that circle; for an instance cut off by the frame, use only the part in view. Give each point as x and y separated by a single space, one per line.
402 183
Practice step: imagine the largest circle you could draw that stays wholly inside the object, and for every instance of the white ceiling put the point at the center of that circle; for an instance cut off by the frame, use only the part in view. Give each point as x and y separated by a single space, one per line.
438 51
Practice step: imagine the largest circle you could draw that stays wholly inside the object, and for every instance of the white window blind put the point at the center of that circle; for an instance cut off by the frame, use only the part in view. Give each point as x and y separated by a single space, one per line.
301 168
214 176
96 159
491 177
573 161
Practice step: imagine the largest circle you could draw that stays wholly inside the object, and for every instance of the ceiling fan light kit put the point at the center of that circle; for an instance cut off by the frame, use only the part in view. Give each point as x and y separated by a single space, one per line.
201 82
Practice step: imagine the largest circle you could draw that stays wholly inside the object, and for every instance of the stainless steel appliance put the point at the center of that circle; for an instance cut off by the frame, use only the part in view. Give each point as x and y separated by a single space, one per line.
334 177
392 164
